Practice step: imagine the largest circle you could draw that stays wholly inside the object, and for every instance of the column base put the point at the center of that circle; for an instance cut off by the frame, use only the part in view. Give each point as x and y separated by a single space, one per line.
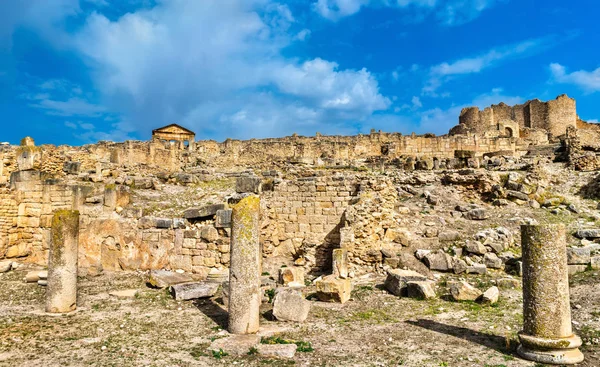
551 351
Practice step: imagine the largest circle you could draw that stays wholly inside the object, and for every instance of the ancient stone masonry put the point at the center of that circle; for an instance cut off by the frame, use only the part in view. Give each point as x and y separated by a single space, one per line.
62 262
547 335
552 117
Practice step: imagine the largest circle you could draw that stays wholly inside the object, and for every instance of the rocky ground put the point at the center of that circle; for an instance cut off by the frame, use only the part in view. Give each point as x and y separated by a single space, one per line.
374 328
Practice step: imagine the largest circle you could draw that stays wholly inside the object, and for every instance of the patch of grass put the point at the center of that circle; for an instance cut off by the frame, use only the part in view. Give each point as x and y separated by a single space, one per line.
199 351
375 315
252 351
361 292
302 345
271 294
218 354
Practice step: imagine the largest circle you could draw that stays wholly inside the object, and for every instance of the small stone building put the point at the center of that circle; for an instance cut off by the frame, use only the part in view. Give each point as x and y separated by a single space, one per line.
174 133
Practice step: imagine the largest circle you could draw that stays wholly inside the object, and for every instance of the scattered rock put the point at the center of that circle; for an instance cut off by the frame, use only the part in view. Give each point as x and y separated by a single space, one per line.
127 293
574 269
578 255
291 275
332 289
421 253
508 283
449 235
421 289
463 291
397 281
475 247
490 296
164 278
492 261
187 291
5 266
477 269
460 266
588 233
34 276
235 345
42 282
248 184
476 214
290 305
277 350
439 260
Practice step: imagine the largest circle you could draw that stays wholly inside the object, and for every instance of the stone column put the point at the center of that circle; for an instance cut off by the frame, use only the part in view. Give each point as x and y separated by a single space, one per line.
547 336
61 294
245 268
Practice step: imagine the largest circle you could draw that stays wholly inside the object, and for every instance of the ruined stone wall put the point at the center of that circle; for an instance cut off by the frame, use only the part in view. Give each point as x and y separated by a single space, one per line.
562 113
26 214
303 217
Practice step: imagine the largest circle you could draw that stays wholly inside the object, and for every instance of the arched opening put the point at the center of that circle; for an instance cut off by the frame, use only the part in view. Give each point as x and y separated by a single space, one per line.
508 132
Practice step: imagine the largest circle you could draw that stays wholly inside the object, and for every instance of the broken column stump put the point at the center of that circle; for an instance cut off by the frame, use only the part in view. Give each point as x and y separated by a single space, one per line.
61 294
547 335
245 269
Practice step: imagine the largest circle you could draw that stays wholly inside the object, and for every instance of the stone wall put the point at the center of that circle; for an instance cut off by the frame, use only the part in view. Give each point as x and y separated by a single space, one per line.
553 116
302 218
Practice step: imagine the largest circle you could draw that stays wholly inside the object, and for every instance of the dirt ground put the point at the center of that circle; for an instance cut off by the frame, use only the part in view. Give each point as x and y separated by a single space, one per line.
373 329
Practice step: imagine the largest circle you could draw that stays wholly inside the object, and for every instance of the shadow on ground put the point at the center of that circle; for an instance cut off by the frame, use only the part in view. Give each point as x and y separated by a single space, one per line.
495 342
213 311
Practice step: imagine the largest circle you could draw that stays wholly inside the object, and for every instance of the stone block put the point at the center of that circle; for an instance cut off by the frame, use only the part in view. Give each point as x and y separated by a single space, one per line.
293 275
187 291
490 296
290 305
165 278
203 212
397 281
475 247
463 291
235 345
277 350
595 262
248 184
575 269
439 260
332 289
209 234
588 233
5 266
340 263
578 256
421 289
223 218
476 214
492 261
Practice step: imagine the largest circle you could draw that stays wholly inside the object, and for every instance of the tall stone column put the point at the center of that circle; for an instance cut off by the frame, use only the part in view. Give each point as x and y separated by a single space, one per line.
245 268
547 336
61 294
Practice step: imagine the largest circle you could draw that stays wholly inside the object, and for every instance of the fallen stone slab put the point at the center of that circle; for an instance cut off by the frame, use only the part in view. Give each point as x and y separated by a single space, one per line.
235 345
463 291
203 212
578 255
285 351
492 261
508 283
290 305
164 278
477 269
332 289
475 247
127 293
575 269
248 184
439 260
490 296
476 214
397 281
5 266
421 289
187 291
588 233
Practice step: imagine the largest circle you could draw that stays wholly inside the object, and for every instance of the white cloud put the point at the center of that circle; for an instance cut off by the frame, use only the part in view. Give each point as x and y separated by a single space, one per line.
441 73
458 12
200 62
589 81
448 12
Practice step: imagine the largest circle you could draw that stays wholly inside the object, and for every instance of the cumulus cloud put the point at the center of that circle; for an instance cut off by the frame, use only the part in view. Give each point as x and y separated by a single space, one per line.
589 81
198 61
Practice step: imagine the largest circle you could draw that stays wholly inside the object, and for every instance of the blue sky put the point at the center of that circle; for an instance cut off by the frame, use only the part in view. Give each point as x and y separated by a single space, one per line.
79 71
